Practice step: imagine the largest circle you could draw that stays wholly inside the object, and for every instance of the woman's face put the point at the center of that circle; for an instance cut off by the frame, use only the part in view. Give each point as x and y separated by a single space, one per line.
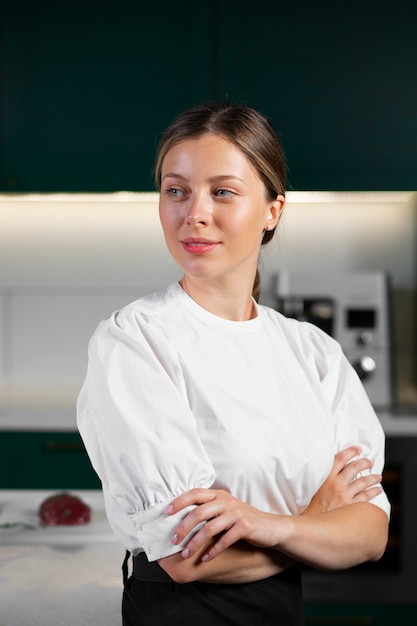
214 209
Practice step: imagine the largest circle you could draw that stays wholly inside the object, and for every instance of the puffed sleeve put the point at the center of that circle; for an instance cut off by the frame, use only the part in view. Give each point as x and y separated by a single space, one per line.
139 431
354 419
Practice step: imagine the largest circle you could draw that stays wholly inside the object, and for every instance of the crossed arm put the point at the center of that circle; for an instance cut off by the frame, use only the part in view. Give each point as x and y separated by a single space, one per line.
239 543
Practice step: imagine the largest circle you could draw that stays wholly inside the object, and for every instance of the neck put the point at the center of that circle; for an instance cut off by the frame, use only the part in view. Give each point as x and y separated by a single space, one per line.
233 303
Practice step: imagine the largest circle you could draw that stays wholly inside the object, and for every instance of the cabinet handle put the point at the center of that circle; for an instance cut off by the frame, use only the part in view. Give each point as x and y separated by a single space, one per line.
64 446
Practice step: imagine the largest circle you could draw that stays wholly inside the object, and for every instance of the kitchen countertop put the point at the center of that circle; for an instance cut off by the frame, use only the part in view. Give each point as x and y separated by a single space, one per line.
397 422
19 510
61 585
57 576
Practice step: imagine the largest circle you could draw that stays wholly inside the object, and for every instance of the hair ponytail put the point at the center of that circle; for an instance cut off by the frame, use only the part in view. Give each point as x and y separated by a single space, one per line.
256 289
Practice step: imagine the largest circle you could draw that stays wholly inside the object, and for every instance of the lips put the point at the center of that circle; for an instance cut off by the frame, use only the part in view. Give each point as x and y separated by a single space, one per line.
198 245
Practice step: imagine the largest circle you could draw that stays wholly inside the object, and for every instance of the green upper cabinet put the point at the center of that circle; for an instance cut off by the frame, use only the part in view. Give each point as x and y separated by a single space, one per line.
87 88
339 82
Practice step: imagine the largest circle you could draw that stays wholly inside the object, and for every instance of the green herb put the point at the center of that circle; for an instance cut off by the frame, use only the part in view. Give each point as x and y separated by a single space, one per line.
18 525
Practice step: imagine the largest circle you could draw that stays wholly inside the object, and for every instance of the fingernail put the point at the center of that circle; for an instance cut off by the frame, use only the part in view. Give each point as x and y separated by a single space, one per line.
185 553
169 508
205 557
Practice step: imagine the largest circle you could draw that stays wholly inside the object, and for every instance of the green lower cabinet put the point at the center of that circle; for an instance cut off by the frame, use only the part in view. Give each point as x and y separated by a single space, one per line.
360 615
45 460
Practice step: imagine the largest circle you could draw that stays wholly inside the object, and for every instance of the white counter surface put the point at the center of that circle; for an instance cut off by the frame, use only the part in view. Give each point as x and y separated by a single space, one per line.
394 423
61 586
20 523
57 576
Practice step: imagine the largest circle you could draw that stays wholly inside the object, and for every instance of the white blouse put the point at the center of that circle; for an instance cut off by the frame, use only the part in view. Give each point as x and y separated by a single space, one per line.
176 398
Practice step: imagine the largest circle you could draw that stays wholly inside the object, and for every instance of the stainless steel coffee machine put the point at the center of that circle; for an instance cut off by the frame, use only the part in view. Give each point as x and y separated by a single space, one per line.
352 307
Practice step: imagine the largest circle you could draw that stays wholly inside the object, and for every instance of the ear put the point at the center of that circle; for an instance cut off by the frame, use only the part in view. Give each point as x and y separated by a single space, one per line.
275 209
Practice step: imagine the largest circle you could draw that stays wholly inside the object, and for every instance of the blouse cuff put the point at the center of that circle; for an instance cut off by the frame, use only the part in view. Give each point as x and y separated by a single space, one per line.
154 529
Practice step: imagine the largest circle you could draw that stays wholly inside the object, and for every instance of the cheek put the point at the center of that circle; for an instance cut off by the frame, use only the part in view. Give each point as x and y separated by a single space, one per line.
169 220
249 227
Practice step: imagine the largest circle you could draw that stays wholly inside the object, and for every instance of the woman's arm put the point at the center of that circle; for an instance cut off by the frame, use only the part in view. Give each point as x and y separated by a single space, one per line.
337 539
241 561
143 444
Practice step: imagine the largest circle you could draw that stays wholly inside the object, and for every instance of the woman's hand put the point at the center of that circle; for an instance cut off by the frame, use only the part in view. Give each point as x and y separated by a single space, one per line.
227 520
345 485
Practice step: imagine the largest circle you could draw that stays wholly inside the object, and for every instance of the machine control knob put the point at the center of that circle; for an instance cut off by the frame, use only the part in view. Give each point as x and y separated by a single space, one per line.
364 338
365 366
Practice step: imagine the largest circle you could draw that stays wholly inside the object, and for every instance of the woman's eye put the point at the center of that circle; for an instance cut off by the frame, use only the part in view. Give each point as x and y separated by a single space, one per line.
174 192
224 193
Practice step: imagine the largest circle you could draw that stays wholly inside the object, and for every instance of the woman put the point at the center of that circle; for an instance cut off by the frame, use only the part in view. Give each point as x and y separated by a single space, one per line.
232 443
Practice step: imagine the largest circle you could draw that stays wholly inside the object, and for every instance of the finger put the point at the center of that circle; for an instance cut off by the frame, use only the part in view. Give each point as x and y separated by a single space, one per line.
196 496
210 532
361 484
343 457
368 494
225 541
199 515
355 468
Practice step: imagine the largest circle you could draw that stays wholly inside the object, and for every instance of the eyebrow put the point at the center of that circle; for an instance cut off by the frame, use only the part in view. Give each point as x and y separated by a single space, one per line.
213 179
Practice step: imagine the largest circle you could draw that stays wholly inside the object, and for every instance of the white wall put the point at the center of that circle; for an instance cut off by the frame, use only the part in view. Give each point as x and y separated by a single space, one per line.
348 232
67 260
107 240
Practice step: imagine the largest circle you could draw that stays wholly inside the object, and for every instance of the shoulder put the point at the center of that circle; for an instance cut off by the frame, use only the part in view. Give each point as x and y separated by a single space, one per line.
152 306
305 332
141 319
306 339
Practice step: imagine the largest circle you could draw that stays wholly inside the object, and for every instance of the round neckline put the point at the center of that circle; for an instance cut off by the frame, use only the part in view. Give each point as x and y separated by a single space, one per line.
210 319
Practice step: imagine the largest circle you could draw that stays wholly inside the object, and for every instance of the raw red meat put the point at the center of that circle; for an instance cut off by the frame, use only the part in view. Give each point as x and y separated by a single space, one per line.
64 509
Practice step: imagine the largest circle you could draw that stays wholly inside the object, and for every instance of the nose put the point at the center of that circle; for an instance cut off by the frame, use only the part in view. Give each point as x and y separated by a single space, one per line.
198 211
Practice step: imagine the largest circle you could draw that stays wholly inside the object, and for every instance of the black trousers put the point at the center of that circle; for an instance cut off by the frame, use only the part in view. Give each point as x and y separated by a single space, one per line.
151 598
